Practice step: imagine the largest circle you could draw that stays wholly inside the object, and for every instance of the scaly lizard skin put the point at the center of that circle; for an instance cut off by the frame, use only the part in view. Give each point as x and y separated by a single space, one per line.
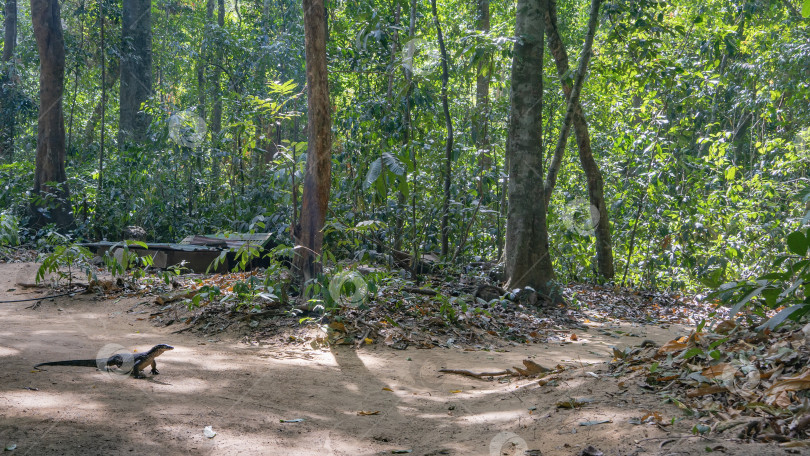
139 361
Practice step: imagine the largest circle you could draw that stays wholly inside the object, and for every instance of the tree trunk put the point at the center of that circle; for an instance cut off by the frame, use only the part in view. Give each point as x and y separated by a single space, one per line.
216 111
136 70
8 110
408 127
112 73
527 254
51 198
480 125
596 193
10 27
572 96
318 175
448 147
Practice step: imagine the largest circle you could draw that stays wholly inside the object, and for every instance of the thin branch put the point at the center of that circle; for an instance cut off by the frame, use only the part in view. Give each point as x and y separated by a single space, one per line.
573 100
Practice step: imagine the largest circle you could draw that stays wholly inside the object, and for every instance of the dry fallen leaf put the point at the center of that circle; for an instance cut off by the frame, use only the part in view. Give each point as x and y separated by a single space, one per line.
672 346
777 390
725 327
650 417
718 370
364 413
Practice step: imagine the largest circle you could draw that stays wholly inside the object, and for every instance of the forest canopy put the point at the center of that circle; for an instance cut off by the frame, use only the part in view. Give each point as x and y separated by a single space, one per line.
190 117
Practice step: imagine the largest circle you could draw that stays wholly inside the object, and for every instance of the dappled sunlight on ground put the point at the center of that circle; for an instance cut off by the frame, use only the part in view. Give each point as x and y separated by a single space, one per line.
303 401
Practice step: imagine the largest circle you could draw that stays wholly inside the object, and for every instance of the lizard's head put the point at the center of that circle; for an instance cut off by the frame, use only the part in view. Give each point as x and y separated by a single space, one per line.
116 360
160 348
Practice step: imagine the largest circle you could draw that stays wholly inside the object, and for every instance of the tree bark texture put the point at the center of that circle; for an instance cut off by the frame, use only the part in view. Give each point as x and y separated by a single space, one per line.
480 125
596 185
51 202
573 98
9 97
527 254
136 70
318 175
448 146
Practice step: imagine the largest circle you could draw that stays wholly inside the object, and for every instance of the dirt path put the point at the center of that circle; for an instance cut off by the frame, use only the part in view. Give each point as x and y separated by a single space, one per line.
244 391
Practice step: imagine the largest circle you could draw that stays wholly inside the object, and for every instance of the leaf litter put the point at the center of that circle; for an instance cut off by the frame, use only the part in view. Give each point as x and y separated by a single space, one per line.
736 380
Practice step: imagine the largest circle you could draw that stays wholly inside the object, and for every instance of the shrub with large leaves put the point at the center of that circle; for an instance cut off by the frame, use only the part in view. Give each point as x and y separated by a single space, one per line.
786 288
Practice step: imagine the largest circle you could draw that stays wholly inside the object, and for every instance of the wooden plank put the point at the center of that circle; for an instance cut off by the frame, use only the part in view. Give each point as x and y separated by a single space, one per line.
232 240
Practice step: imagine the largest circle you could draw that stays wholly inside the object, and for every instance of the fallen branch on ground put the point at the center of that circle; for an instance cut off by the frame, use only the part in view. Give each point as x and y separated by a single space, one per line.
476 375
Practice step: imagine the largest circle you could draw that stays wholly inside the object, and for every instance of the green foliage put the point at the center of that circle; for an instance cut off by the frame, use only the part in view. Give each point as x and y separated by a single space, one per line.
698 118
65 258
787 286
206 293
9 230
376 169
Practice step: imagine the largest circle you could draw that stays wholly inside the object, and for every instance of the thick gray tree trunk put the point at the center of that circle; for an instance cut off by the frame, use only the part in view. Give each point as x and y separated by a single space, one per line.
136 70
318 175
527 254
51 199
8 109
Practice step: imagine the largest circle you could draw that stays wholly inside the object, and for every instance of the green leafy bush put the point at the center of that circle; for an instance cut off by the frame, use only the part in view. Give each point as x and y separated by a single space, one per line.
9 230
66 258
786 287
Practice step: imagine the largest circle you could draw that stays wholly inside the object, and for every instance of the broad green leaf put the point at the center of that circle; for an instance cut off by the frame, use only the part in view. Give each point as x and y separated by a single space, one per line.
797 243
783 315
806 9
792 288
404 188
140 244
393 164
692 352
770 295
744 301
374 171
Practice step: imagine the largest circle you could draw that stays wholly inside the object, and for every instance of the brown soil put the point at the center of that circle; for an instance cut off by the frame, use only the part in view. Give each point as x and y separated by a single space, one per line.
244 391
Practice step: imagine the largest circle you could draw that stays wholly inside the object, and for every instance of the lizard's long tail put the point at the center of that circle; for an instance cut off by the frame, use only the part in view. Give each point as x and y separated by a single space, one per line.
74 362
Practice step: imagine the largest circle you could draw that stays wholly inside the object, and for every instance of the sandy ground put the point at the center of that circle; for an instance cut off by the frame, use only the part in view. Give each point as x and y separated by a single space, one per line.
243 392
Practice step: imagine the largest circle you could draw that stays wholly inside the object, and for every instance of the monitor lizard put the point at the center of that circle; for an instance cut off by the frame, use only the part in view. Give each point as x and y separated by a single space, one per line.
138 361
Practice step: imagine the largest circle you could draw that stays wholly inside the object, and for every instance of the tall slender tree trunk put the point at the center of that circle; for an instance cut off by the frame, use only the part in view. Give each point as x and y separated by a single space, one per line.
76 77
318 175
596 185
111 75
481 117
216 111
401 199
8 89
408 137
448 146
51 202
101 143
527 253
572 96
136 70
